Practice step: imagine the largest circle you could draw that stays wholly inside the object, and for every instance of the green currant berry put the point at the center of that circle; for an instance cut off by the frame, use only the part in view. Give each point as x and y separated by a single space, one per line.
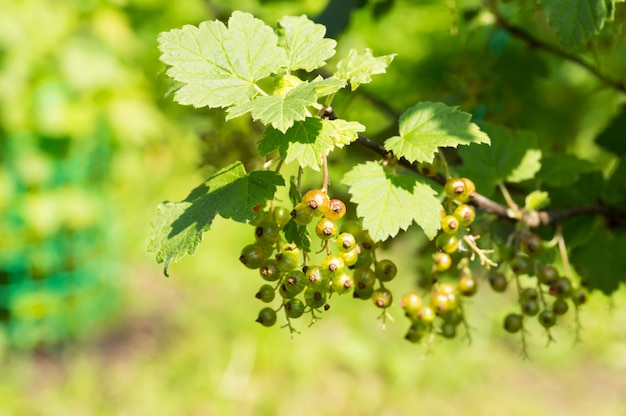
351 257
385 270
364 258
450 224
326 229
333 263
382 297
364 293
318 278
346 242
465 214
532 244
294 308
411 303
252 256
314 298
316 201
520 265
560 306
530 307
336 209
259 217
270 271
266 293
267 317
547 275
513 322
364 240
287 260
441 262
364 277
498 282
281 216
301 215
562 287
460 189
467 285
529 294
341 283
442 303
547 318
448 243
454 317
426 314
447 330
579 296
294 282
417 331
429 169
266 233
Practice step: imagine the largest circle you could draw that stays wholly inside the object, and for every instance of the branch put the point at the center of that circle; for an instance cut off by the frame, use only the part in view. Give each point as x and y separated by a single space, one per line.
534 219
539 44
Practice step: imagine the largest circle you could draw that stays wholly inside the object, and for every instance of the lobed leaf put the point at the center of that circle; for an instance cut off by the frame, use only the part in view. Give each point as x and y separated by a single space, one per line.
178 226
358 67
218 65
304 42
390 202
427 126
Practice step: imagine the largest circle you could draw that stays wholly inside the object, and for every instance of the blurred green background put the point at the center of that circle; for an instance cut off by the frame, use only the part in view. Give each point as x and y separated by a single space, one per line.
90 144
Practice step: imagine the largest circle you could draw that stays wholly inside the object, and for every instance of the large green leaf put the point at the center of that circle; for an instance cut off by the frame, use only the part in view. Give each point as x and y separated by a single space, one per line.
304 42
389 202
612 137
218 65
308 140
510 158
575 21
600 261
562 170
178 226
427 126
358 67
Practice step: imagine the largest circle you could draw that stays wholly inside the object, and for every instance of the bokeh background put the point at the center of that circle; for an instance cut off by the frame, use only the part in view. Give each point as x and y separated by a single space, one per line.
90 143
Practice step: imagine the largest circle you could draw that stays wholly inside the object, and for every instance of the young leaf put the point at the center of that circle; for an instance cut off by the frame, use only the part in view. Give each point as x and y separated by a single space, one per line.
389 202
597 261
308 140
304 42
358 67
298 234
575 21
178 226
428 126
218 65
511 158
536 200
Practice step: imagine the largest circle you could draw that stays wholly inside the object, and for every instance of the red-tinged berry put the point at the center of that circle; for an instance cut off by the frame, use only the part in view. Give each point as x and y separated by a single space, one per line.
336 209
465 214
316 201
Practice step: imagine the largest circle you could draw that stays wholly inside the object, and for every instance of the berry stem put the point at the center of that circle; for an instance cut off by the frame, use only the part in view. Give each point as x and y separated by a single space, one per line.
325 180
444 163
484 260
507 197
563 251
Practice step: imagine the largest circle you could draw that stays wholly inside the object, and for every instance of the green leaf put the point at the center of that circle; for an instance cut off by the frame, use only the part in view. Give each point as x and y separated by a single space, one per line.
358 67
178 226
575 21
427 126
599 262
562 170
308 140
612 137
218 65
282 110
304 42
389 202
298 235
509 158
537 200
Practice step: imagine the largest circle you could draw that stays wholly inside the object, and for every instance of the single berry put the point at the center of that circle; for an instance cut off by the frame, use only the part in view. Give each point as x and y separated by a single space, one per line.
441 262
447 242
314 298
426 314
351 257
467 285
281 216
266 293
341 283
429 169
270 271
547 275
364 277
382 297
317 278
547 318
287 260
530 307
346 242
364 258
529 294
579 296
498 282
336 209
532 244
301 215
333 263
326 229
465 214
294 308
513 322
416 332
363 293
447 330
293 282
520 265
460 189
364 240
267 316
560 306
385 270
562 287
450 224
411 303
266 233
316 201
252 256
